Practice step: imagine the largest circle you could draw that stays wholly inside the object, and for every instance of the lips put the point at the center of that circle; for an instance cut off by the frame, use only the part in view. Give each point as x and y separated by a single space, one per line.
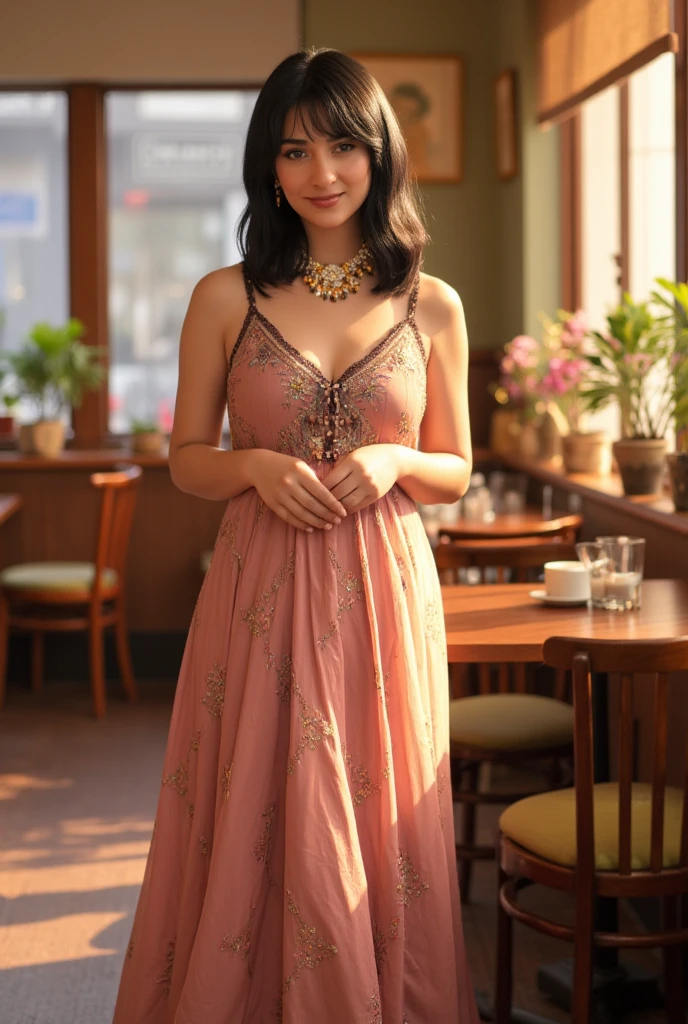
325 201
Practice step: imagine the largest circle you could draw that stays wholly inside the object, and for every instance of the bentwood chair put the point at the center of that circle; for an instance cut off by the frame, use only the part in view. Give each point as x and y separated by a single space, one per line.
618 840
504 723
44 597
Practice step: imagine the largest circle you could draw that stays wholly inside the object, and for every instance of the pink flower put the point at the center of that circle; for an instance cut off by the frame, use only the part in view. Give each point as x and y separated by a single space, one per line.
574 330
614 342
507 364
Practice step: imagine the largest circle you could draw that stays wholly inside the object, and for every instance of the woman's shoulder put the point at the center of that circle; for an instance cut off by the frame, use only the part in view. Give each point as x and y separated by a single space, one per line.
438 305
226 284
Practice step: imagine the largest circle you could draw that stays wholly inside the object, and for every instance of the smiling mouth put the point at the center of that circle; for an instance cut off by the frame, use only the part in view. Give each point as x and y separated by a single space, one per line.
321 199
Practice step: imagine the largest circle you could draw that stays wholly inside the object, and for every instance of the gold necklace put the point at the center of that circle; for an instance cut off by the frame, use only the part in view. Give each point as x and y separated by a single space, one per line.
335 280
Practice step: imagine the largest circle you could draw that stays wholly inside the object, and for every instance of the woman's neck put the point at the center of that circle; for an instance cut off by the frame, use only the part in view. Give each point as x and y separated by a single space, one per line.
334 245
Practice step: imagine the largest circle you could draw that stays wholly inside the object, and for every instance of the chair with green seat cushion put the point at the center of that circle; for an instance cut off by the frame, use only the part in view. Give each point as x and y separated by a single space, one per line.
63 596
511 721
625 839
67 576
512 726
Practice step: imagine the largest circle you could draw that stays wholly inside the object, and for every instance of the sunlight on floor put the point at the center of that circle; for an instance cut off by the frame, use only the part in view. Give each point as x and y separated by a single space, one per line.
61 939
86 876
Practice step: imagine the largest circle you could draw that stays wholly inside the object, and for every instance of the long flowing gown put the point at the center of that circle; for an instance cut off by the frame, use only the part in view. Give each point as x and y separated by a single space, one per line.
302 868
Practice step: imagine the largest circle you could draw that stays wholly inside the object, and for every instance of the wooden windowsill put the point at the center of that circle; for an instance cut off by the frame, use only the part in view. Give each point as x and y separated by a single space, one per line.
101 458
606 490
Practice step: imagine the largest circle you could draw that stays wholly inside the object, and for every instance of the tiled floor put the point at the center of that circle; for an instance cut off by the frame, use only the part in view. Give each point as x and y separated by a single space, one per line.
77 800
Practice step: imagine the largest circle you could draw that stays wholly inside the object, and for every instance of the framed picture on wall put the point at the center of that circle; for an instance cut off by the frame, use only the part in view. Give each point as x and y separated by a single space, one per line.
426 92
505 125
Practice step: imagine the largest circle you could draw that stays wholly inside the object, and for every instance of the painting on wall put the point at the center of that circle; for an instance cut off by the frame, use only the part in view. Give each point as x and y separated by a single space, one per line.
505 125
426 92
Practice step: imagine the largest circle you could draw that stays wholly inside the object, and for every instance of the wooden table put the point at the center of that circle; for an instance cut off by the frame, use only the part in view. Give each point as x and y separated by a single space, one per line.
500 622
518 524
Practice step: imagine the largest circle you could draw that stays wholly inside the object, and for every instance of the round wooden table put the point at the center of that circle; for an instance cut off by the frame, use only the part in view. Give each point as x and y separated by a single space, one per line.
529 523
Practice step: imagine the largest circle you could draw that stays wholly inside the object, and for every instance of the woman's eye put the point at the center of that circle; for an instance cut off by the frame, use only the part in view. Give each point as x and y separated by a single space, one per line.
346 147
293 154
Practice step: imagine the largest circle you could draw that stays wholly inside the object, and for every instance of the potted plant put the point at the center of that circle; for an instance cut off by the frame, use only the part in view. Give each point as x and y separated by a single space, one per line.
146 437
629 365
519 389
566 339
674 321
52 369
7 402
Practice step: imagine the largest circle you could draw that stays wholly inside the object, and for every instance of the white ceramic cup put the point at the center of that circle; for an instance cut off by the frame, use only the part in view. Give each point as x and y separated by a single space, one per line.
567 580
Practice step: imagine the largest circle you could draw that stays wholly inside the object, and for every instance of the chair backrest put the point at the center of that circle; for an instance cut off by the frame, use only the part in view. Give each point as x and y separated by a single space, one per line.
517 555
627 659
116 513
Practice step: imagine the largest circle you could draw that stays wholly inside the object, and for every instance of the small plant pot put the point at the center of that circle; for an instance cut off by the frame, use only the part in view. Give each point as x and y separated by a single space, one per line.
148 442
587 453
641 463
45 438
678 474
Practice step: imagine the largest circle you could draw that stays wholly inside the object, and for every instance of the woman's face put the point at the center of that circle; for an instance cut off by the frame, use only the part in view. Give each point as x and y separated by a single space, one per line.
324 180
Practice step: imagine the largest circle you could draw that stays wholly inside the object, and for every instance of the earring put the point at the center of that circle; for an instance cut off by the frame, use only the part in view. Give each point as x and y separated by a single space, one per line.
278 192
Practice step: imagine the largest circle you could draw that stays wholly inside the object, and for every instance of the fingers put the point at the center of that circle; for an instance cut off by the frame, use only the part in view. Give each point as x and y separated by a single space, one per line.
318 508
292 520
320 492
358 499
305 517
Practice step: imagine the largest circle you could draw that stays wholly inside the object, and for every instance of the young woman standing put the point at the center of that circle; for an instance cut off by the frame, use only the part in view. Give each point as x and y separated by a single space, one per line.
302 868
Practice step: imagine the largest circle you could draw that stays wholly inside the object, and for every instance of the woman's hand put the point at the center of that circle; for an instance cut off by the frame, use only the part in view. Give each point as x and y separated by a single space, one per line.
291 489
365 475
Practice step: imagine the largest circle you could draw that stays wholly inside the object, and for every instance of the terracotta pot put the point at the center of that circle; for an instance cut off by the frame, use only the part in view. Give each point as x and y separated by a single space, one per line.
678 474
552 428
48 438
149 442
528 441
587 453
641 463
504 430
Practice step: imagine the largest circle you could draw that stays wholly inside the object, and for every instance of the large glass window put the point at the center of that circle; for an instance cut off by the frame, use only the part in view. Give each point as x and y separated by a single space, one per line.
33 213
176 194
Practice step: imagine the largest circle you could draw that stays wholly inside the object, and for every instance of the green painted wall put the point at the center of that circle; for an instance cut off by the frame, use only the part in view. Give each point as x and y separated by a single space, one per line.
495 242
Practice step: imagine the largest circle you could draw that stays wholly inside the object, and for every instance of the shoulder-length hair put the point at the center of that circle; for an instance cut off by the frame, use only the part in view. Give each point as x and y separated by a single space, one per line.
333 95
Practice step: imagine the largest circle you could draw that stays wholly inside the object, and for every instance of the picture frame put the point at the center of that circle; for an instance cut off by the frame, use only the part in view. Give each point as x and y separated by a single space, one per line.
426 92
506 138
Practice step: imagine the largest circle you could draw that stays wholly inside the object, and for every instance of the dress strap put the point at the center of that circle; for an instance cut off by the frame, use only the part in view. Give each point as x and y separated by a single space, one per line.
249 288
413 298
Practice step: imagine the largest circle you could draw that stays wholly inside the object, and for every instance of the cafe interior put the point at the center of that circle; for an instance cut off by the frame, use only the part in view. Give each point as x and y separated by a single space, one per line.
549 139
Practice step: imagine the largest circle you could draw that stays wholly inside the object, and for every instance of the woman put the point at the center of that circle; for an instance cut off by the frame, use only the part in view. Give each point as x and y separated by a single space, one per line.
302 867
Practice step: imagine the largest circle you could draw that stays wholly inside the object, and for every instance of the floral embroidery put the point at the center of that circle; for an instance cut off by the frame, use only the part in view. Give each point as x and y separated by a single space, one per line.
226 780
360 777
311 949
241 945
284 680
434 623
381 683
214 698
178 780
228 533
345 602
394 497
259 618
191 809
242 433
261 851
314 730
381 942
203 843
410 886
402 571
165 978
277 1013
375 1010
405 433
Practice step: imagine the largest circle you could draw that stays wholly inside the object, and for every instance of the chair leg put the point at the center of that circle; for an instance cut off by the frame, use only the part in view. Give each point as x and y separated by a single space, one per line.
124 655
4 639
581 1001
97 665
37 661
674 988
505 965
468 820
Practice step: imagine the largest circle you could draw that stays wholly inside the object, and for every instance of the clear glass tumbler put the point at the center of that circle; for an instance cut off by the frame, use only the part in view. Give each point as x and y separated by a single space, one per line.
625 560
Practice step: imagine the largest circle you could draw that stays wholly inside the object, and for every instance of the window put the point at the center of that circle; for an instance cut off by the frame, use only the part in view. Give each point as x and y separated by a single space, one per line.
33 213
175 196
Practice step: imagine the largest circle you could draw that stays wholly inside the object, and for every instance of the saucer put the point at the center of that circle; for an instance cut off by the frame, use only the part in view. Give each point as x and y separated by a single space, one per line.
562 602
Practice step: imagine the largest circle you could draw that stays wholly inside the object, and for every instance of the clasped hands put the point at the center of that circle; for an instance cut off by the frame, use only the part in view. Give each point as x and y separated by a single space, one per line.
291 488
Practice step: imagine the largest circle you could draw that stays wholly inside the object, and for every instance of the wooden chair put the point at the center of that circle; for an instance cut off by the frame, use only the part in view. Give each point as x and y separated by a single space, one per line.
511 727
618 840
564 527
66 596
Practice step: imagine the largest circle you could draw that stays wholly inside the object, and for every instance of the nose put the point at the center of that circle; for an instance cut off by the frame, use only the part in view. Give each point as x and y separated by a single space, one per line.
322 172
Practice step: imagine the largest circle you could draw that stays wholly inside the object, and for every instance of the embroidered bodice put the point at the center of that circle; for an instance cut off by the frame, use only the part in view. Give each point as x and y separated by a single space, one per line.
279 399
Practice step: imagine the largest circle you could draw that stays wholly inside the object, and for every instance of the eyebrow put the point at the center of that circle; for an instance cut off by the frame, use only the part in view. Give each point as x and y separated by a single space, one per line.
304 142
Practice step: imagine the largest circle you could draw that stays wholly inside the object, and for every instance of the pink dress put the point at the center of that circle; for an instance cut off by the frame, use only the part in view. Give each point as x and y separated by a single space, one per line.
302 868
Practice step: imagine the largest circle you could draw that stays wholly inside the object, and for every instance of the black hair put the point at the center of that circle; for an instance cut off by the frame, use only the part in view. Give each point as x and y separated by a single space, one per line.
333 95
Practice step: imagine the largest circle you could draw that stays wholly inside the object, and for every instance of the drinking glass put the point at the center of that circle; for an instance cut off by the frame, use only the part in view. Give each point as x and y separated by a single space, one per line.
625 558
600 566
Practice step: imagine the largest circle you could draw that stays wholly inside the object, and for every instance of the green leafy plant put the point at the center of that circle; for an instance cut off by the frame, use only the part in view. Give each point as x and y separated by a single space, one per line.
673 322
630 364
144 427
54 368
